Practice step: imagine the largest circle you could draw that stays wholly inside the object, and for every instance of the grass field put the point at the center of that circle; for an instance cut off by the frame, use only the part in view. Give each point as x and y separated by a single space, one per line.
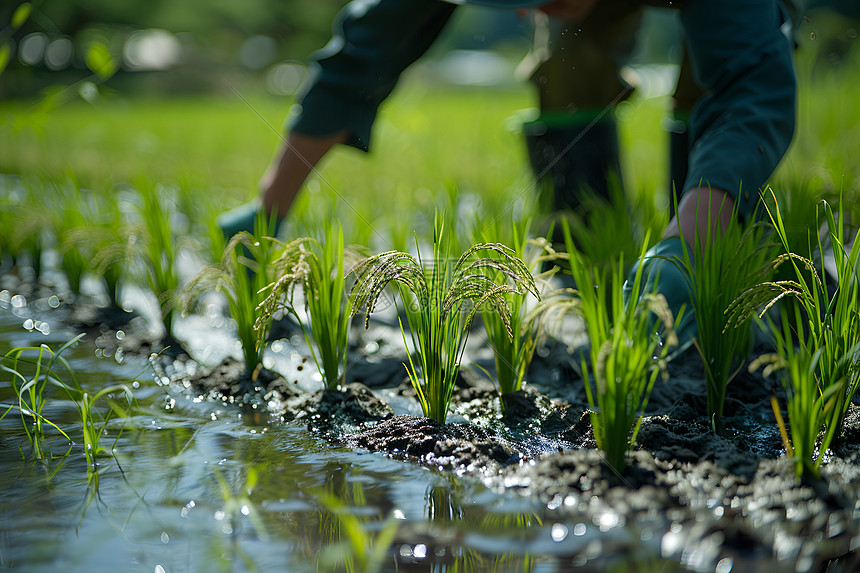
425 140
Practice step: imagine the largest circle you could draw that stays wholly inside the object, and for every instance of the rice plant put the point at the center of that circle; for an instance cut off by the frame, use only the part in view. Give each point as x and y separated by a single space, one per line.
241 276
605 230
67 210
435 293
93 423
31 377
809 409
513 350
157 250
734 259
832 332
23 223
624 356
319 269
105 241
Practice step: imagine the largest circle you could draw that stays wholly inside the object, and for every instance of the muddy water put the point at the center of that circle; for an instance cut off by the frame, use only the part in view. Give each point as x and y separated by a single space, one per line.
196 484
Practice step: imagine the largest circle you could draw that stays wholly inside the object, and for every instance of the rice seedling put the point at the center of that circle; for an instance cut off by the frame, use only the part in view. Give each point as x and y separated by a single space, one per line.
23 224
241 276
31 376
809 409
604 231
832 332
105 242
65 208
434 294
157 250
624 356
716 275
319 269
93 423
513 351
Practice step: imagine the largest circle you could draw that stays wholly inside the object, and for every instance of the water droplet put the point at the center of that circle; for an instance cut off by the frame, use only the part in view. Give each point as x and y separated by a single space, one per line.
812 36
164 537
159 569
559 532
18 301
245 510
120 334
579 529
28 324
53 301
420 551
725 565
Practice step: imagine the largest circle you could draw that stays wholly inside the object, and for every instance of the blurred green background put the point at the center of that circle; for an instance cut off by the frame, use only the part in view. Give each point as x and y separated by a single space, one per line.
193 95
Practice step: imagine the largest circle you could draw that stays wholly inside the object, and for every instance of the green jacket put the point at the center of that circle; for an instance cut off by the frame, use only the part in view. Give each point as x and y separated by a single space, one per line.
741 56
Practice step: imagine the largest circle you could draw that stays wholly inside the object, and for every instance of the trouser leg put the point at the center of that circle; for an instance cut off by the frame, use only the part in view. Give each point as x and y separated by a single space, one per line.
573 144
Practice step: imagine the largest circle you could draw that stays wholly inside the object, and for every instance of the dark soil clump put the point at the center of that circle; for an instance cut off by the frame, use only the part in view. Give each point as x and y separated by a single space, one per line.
460 447
337 410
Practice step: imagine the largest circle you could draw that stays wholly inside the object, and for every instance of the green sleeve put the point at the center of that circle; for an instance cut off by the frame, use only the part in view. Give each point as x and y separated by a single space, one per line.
742 126
373 42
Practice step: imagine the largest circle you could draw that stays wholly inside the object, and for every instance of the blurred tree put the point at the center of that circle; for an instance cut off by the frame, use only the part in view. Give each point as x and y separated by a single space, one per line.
211 31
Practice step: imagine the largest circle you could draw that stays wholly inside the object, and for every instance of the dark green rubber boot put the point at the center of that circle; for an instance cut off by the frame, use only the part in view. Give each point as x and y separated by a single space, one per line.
573 155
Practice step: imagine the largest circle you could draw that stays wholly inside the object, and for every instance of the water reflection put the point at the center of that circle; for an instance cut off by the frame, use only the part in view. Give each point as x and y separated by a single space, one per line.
204 485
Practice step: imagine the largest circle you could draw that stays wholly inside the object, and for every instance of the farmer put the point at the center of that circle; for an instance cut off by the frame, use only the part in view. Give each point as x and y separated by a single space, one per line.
740 127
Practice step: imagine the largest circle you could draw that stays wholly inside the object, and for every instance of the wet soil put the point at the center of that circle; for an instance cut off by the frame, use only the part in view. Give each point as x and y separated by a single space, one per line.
691 494
712 500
